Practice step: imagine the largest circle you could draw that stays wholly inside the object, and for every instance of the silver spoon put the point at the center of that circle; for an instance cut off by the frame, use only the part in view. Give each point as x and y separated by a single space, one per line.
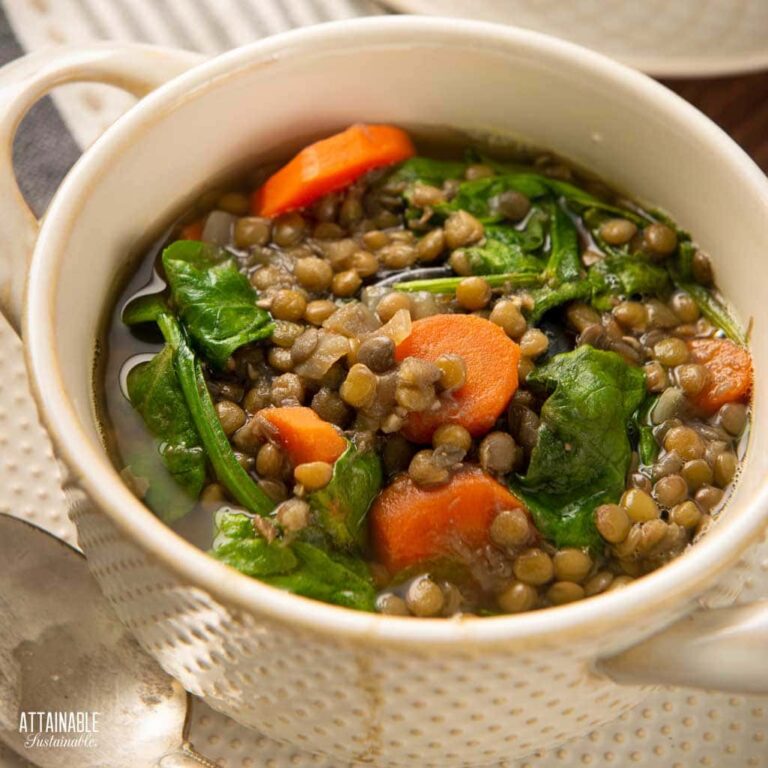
62 649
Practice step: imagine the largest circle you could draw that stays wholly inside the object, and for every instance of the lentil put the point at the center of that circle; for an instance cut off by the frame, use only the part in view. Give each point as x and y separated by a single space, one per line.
534 343
507 315
498 453
231 416
562 592
670 490
685 442
733 418
660 239
269 461
431 245
534 566
517 597
391 304
613 522
288 305
359 388
572 565
511 529
453 435
617 231
473 293
317 312
424 597
346 283
453 372
252 231
639 505
725 468
462 228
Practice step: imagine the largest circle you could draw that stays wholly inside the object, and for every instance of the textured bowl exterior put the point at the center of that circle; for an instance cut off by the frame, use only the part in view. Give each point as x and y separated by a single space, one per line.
353 701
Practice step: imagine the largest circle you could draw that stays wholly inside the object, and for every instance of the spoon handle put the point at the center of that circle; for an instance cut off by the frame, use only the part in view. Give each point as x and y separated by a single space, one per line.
186 757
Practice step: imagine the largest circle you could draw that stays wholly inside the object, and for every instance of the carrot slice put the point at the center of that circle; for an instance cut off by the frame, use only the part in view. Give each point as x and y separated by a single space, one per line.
192 231
330 164
491 359
729 372
411 525
303 435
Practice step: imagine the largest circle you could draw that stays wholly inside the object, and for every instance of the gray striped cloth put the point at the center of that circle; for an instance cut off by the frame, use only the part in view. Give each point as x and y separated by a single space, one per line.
47 144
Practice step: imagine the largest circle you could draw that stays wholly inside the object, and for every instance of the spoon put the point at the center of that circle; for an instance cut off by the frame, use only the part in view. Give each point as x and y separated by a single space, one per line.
62 649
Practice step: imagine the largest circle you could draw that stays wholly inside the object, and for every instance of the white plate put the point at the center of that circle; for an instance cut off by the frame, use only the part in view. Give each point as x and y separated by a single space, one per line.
672 38
675 728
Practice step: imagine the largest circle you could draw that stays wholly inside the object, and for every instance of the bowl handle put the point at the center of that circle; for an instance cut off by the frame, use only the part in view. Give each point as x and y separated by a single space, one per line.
131 66
720 648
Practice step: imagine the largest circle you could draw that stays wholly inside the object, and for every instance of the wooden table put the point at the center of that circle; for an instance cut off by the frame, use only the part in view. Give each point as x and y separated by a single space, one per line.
738 104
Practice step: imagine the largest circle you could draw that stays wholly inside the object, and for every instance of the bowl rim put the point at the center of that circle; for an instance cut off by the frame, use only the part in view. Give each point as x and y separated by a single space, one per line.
665 590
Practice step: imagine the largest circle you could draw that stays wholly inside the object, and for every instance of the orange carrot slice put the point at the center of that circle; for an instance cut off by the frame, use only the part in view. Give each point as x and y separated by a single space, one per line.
411 525
192 231
491 359
303 435
330 164
729 372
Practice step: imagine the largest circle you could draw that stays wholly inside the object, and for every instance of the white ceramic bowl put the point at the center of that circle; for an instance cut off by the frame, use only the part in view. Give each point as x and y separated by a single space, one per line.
359 686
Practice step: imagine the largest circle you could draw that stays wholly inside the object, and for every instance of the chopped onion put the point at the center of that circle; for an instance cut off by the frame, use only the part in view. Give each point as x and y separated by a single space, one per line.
218 228
330 348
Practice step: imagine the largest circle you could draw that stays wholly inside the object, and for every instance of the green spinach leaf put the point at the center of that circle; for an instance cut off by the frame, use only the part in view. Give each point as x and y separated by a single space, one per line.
564 265
155 393
341 507
547 297
583 451
146 308
476 196
237 544
191 382
427 171
330 577
300 567
494 257
215 301
623 275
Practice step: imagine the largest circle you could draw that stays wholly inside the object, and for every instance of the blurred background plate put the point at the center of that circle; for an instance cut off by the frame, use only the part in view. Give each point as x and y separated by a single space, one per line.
669 38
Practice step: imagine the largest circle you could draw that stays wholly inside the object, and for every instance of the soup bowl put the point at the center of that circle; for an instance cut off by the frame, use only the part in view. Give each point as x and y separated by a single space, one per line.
357 686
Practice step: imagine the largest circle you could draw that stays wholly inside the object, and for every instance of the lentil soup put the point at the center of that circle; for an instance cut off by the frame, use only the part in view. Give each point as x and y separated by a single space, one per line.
426 386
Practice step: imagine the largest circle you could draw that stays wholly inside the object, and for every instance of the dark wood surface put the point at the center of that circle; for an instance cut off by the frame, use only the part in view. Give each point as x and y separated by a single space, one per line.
738 104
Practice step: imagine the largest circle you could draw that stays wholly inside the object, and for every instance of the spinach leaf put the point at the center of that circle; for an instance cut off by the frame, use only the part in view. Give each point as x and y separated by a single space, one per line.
568 191
191 381
583 198
583 451
531 236
237 544
427 171
330 577
155 393
494 257
547 297
215 301
623 275
300 567
564 265
341 507
476 196
146 308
